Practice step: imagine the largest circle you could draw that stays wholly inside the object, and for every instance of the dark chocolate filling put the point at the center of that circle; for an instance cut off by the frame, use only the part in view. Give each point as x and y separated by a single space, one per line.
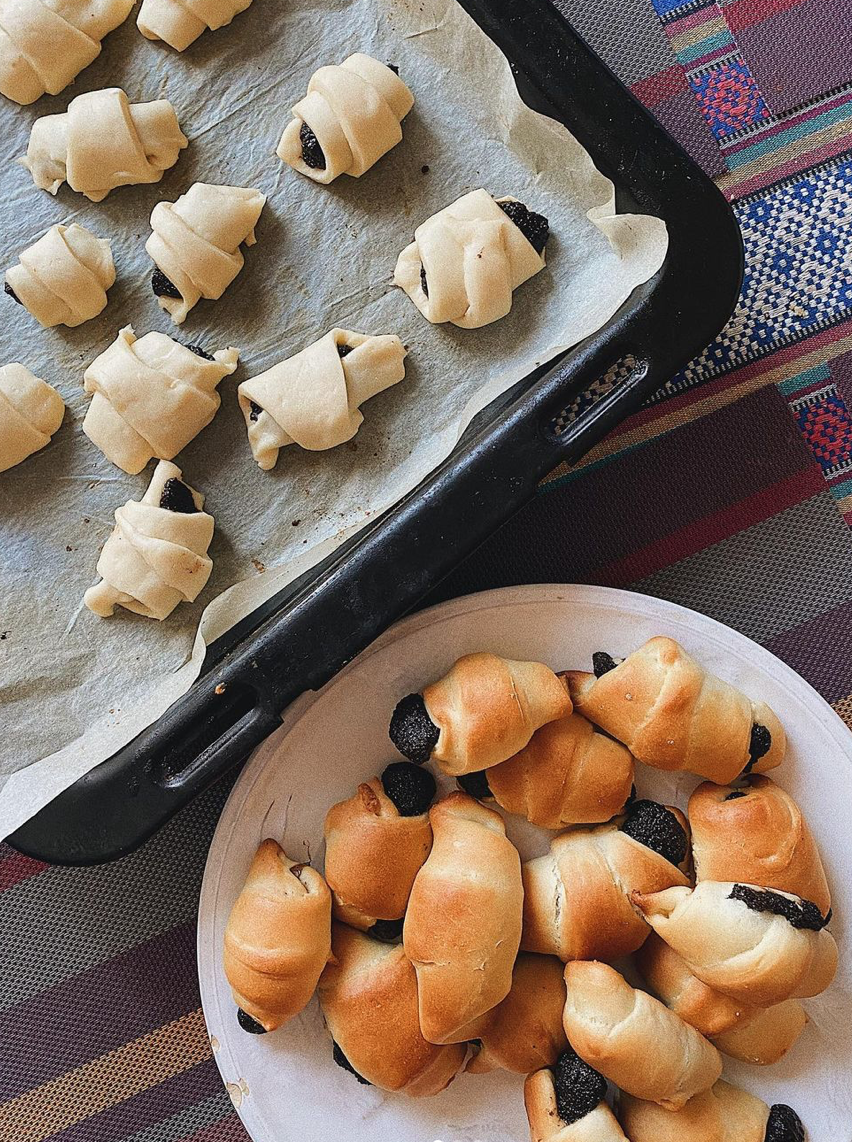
424 285
579 1088
199 352
602 663
476 784
163 287
784 1125
412 731
8 289
176 497
388 931
249 1024
534 227
342 1061
256 410
312 152
802 914
409 787
344 350
656 827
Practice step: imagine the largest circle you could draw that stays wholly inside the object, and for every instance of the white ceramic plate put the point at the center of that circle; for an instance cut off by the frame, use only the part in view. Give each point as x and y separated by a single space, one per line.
285 1084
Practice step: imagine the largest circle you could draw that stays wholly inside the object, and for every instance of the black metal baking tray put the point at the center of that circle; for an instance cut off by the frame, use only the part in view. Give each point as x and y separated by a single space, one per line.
300 639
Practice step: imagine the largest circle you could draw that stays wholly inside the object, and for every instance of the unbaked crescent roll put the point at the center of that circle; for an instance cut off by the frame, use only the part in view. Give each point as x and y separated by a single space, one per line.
156 556
480 713
756 835
180 22
31 411
152 395
568 774
463 924
567 1103
466 260
758 946
350 117
62 278
314 398
278 939
195 243
103 141
577 897
674 715
44 45
723 1114
375 844
633 1039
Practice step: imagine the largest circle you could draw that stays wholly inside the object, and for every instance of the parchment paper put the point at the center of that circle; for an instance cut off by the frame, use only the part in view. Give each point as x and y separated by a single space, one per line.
74 687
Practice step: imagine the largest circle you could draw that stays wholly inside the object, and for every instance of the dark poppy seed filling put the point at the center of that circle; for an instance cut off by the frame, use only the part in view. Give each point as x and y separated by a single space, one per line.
630 800
343 1062
579 1088
602 663
424 285
412 731
249 1024
736 793
394 68
199 352
759 745
388 931
409 787
656 827
344 350
255 410
163 287
8 289
802 914
534 227
312 152
784 1125
176 497
476 784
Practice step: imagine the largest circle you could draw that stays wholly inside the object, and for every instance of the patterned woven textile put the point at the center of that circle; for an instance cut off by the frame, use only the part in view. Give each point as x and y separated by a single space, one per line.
733 496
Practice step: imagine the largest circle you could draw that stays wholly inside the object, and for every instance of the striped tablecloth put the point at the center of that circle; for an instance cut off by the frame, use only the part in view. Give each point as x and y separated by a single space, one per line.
733 496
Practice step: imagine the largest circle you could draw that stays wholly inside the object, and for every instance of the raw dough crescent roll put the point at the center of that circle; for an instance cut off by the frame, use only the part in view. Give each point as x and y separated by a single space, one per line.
313 399
466 260
195 243
62 278
31 411
375 844
463 924
278 939
758 946
152 395
568 774
723 1114
567 1103
180 22
672 714
368 995
756 835
634 1040
156 556
480 713
577 903
103 141
44 45
349 118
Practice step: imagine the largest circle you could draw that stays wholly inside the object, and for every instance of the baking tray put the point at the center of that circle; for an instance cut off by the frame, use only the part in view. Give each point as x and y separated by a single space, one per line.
299 639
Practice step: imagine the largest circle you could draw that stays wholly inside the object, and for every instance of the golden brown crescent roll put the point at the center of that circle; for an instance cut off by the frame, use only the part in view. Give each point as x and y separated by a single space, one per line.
375 844
723 1114
524 1032
757 946
368 995
479 714
672 714
756 835
635 1040
568 774
577 896
278 939
463 923
767 1037
566 1103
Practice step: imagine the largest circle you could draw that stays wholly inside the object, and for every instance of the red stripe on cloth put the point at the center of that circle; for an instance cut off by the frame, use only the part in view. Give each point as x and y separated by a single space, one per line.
656 88
228 1129
802 162
747 13
15 867
691 20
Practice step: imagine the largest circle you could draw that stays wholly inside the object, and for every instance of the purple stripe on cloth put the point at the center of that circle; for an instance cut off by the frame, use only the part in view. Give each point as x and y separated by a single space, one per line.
680 116
230 1129
841 374
819 651
123 999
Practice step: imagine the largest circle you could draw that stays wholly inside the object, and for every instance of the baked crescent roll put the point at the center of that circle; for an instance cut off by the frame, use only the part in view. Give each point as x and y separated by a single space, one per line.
524 1031
350 117
463 925
759 947
568 774
480 713
31 411
44 46
467 260
756 835
368 995
62 278
567 1103
179 23
156 556
723 1114
766 1038
672 714
314 398
278 939
103 141
195 243
633 1039
577 902
375 844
